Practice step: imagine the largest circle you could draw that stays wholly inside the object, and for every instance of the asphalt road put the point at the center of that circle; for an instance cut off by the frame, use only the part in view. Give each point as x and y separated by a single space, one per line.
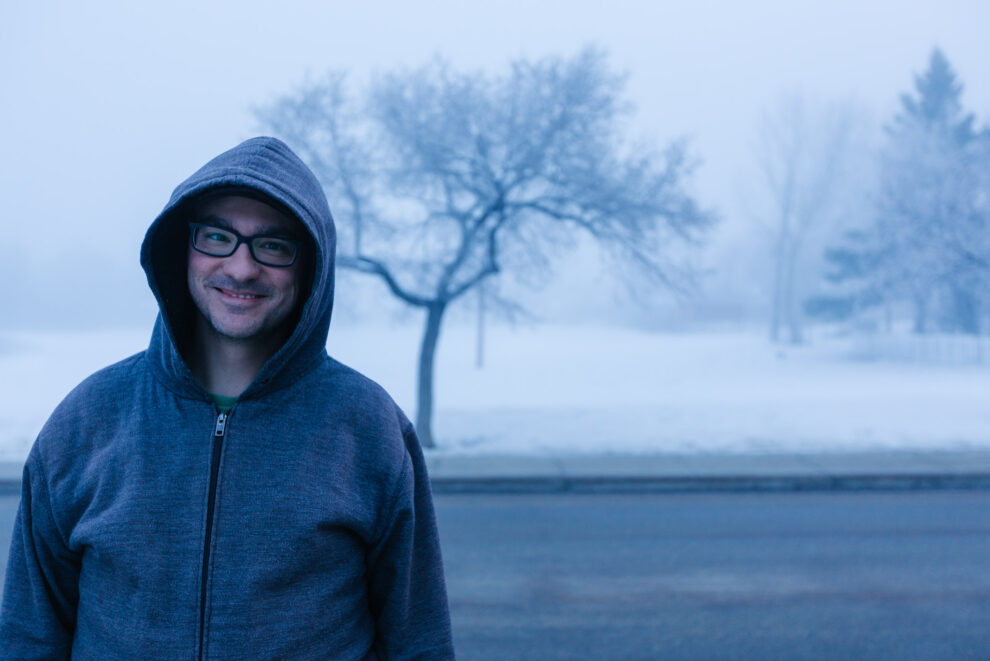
721 576
8 509
714 576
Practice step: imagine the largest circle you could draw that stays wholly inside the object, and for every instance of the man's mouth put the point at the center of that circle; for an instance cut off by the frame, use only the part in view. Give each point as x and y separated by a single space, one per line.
245 296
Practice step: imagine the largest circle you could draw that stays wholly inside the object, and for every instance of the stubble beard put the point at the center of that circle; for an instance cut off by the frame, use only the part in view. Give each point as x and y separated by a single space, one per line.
221 319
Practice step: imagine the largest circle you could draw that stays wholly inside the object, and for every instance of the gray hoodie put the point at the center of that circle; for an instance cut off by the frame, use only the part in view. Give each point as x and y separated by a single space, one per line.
299 526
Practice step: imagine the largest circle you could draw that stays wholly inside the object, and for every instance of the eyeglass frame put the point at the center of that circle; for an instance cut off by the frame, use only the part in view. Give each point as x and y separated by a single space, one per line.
193 226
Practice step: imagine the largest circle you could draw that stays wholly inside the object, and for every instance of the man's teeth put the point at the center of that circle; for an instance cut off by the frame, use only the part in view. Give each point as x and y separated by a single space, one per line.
236 295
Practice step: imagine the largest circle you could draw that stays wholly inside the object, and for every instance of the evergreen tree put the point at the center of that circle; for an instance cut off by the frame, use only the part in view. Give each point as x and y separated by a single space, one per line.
926 248
936 105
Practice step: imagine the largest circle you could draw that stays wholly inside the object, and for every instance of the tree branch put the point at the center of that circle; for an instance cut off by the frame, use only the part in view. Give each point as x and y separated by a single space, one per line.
375 267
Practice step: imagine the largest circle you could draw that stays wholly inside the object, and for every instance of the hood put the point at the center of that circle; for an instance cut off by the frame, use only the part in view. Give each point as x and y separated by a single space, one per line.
264 168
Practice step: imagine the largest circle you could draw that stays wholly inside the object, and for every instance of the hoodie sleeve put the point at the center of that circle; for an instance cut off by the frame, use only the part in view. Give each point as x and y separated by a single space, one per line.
405 572
41 588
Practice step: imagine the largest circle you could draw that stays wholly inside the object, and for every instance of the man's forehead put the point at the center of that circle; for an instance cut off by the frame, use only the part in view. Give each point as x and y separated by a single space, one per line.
237 208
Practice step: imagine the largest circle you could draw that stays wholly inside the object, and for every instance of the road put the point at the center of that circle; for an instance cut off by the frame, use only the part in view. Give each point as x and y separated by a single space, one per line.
727 576
791 576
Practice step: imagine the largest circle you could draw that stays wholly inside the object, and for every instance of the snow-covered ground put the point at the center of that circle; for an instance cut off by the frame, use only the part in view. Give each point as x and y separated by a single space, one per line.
550 390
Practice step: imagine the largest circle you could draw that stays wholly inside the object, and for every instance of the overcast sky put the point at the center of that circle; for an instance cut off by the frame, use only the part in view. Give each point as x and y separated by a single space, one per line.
107 106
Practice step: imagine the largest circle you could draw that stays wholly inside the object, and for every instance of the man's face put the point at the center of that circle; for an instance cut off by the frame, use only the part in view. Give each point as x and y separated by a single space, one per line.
239 297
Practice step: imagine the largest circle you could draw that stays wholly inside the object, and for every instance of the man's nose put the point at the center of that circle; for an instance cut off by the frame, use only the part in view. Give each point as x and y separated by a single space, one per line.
241 264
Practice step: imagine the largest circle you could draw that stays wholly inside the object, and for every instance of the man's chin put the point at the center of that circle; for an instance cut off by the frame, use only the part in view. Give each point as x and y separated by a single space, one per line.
239 331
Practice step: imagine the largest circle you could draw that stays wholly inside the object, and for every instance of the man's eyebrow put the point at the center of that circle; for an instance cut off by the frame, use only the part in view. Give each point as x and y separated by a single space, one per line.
264 230
214 220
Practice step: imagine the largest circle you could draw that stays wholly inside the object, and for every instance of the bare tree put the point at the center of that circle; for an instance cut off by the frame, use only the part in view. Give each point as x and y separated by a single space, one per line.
444 180
801 157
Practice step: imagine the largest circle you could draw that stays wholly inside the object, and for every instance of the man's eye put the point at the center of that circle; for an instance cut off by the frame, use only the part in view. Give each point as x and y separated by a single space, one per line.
274 245
218 237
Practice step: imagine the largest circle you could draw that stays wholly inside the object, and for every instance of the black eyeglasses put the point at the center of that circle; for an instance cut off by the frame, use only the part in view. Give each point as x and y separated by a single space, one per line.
222 242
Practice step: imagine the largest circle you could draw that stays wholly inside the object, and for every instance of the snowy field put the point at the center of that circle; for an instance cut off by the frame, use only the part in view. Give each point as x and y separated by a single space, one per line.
550 390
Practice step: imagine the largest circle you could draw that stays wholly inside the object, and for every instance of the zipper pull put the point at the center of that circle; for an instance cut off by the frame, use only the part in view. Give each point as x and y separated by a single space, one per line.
221 424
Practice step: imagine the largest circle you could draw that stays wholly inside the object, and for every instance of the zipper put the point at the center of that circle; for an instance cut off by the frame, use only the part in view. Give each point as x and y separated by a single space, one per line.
218 432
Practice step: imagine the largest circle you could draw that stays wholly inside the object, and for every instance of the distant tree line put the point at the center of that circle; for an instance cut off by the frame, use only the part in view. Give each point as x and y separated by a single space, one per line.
924 254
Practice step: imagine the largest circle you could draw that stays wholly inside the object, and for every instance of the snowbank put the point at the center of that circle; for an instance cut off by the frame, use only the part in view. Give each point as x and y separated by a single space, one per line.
551 390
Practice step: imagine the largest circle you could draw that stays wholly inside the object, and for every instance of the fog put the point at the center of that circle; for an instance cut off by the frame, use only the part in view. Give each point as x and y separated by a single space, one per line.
835 333
107 106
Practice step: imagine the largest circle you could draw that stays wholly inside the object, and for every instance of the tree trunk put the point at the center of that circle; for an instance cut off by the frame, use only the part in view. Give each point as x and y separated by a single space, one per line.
427 353
479 355
920 313
966 317
792 311
777 300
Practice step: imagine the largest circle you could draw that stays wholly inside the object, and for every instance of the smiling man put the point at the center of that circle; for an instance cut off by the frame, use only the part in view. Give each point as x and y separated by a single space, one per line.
244 279
232 492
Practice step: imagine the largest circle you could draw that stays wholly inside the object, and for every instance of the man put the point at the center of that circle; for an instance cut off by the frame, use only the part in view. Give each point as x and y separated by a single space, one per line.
232 492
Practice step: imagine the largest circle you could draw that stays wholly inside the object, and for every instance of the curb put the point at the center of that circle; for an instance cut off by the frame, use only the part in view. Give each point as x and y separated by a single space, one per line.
753 484
632 485
894 470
